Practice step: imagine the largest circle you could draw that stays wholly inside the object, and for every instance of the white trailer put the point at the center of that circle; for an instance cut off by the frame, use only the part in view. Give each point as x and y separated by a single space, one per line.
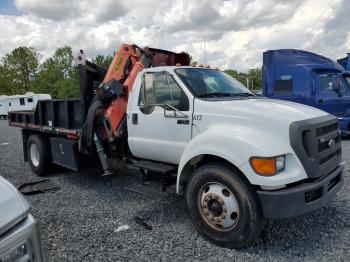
23 102
3 110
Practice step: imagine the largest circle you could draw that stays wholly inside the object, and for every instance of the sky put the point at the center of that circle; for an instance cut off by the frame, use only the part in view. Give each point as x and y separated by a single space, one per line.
225 34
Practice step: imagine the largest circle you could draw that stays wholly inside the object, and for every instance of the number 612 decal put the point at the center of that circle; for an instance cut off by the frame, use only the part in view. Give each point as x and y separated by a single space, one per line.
197 117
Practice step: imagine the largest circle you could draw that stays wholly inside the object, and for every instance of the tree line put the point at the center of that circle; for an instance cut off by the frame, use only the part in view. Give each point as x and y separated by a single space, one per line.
21 71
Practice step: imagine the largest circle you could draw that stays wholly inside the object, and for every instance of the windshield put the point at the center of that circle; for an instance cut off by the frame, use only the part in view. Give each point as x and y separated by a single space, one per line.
347 80
211 83
335 82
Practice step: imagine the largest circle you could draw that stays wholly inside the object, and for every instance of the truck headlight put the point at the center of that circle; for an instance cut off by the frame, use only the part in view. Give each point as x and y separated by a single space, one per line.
267 166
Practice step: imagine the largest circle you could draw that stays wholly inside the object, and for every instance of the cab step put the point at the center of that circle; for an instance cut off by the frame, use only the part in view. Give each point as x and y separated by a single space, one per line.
154 166
151 190
165 171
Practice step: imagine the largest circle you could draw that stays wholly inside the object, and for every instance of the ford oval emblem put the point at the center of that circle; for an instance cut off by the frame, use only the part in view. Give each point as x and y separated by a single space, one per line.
331 143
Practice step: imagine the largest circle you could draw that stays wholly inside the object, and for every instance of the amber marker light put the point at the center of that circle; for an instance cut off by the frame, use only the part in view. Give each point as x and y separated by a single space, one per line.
267 166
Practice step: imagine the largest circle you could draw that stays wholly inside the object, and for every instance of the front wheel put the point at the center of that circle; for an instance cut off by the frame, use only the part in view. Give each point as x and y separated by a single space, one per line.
223 207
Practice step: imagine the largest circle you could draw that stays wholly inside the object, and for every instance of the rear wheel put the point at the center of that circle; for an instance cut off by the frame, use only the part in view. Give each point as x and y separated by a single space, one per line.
223 207
39 155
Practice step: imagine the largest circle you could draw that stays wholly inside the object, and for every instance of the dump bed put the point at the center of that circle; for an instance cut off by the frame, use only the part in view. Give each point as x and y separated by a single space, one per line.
62 116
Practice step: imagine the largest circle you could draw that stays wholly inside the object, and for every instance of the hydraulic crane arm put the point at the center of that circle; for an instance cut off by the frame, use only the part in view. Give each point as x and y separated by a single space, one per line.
122 63
125 66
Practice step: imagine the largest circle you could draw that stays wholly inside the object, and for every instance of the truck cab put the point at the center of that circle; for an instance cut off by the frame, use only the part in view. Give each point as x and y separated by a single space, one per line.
206 123
310 79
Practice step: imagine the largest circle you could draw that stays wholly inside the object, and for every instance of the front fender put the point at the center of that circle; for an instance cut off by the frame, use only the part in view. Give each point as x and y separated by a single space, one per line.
237 145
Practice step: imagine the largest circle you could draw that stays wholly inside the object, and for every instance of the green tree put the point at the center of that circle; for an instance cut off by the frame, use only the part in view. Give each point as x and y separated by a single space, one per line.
7 86
103 61
256 78
253 77
69 88
63 61
20 68
58 76
192 62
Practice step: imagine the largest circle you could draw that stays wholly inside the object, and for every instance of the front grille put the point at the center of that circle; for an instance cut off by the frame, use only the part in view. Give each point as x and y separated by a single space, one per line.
331 156
323 145
317 143
327 129
329 145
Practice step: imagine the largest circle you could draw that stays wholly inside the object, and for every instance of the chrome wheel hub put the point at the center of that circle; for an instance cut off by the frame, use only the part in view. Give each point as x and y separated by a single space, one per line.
34 154
218 206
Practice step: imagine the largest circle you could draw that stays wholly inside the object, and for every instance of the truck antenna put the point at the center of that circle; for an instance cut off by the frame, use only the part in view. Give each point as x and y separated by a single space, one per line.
205 59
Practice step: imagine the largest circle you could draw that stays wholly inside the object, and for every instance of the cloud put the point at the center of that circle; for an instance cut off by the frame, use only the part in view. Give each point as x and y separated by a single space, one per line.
332 36
46 9
215 17
236 32
58 10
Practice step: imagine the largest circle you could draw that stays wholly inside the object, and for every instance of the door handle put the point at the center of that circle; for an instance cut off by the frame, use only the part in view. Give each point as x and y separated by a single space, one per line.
135 119
183 122
320 101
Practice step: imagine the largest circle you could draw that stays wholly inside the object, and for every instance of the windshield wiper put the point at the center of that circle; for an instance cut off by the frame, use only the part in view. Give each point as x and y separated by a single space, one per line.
218 94
242 94
215 94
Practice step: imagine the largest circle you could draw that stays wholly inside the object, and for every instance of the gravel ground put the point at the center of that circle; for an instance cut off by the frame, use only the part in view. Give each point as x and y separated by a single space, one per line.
80 221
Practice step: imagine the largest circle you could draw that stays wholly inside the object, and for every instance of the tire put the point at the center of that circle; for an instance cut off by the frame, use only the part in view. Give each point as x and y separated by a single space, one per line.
223 207
39 155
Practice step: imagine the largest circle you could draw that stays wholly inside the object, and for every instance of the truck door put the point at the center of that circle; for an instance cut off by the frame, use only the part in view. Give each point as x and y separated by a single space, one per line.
327 97
160 126
345 93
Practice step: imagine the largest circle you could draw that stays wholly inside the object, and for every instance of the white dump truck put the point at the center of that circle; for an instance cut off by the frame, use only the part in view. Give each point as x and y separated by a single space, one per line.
19 231
239 159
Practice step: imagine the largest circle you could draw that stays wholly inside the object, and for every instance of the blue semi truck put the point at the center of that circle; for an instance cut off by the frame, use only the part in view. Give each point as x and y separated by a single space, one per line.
309 79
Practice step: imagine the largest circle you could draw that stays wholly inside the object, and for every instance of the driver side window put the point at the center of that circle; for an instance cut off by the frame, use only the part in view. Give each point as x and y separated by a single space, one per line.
165 91
332 83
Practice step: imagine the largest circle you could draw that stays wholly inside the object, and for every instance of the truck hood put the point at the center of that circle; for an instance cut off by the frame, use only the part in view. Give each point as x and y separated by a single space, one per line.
267 108
269 115
13 206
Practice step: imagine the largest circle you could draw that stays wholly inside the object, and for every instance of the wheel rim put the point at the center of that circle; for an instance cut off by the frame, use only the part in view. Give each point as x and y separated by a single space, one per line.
218 206
34 154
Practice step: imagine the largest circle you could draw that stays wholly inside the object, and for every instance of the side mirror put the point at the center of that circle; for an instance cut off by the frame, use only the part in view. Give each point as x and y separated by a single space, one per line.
336 89
338 92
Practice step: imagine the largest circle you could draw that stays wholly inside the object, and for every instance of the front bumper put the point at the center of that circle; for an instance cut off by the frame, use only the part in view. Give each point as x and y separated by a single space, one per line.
24 233
301 199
